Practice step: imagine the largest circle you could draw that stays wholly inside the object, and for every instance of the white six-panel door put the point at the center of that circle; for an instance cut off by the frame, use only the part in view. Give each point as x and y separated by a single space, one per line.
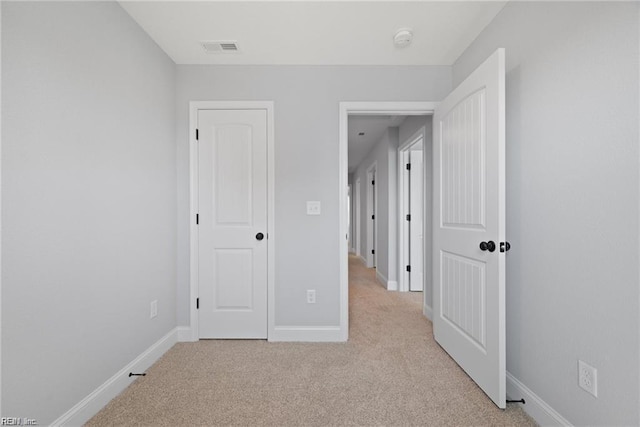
469 210
232 229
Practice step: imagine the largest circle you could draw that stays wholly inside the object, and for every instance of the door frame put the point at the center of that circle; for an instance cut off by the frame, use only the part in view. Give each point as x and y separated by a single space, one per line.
382 108
372 210
350 228
194 106
355 199
403 199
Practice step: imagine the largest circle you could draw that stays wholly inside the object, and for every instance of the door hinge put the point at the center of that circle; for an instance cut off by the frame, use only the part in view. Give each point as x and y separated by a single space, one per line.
373 217
373 182
409 268
197 303
197 219
373 251
408 217
197 135
408 166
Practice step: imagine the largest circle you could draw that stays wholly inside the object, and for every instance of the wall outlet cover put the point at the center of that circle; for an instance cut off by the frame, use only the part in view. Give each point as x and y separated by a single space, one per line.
313 208
311 296
588 378
153 309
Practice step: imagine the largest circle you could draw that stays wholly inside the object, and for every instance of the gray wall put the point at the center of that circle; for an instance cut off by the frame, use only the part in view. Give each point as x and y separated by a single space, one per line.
384 154
572 200
88 200
306 165
407 129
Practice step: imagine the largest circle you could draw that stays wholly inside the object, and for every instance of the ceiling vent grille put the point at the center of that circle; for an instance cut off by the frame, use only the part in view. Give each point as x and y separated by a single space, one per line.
220 46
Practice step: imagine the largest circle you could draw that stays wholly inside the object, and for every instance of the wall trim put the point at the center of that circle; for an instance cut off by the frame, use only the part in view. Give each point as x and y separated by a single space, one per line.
390 285
184 334
427 311
306 334
194 106
537 408
97 399
381 278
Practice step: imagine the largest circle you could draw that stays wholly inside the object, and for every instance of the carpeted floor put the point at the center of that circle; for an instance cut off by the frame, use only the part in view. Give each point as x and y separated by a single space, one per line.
391 372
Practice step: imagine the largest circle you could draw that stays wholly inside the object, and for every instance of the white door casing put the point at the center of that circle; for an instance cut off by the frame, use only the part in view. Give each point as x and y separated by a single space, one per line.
416 204
357 230
370 216
469 208
232 183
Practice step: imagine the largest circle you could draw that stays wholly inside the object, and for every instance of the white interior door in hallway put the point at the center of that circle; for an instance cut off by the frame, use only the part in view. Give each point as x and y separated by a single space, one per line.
232 223
469 226
372 220
416 201
356 222
411 237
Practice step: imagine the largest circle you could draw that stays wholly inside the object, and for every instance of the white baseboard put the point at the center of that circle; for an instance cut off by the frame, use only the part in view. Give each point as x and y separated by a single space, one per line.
307 334
537 408
381 278
96 400
390 285
185 334
362 260
428 312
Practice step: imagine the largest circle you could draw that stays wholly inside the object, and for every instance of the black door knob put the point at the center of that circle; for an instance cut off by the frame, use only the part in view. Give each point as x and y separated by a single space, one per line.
259 236
488 246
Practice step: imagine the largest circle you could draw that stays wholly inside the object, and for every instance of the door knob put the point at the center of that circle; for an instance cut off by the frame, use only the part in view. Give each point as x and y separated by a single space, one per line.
259 236
488 246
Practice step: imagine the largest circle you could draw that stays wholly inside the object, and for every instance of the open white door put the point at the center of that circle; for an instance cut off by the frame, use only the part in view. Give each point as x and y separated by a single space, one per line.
469 226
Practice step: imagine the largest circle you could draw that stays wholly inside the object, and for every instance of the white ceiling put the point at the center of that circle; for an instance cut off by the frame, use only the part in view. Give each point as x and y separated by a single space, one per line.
373 128
314 32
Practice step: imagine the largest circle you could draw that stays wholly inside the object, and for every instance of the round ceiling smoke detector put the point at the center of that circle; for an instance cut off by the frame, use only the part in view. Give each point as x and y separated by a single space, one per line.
403 37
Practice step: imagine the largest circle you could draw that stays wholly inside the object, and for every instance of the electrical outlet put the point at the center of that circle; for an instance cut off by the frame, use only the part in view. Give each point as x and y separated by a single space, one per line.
313 208
311 296
153 311
588 378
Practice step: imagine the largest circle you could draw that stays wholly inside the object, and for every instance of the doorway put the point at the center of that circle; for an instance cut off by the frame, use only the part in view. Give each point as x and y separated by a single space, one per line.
362 109
459 261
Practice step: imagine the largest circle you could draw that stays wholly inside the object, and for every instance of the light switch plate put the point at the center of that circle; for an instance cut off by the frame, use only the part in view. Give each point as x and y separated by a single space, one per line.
313 208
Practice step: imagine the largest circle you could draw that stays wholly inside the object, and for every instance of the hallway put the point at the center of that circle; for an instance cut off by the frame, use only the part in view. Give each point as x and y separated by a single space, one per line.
390 372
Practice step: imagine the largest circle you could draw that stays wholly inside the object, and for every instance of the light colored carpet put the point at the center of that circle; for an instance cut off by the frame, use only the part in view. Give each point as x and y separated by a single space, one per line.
391 372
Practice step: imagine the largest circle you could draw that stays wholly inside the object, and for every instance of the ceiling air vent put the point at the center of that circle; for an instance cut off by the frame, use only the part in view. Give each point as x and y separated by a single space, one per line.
220 46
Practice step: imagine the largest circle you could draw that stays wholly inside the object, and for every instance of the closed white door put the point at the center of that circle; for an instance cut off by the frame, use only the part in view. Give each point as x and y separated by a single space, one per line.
416 200
469 226
232 223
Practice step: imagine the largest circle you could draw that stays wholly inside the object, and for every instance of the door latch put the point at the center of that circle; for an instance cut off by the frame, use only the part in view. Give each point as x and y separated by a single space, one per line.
504 246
